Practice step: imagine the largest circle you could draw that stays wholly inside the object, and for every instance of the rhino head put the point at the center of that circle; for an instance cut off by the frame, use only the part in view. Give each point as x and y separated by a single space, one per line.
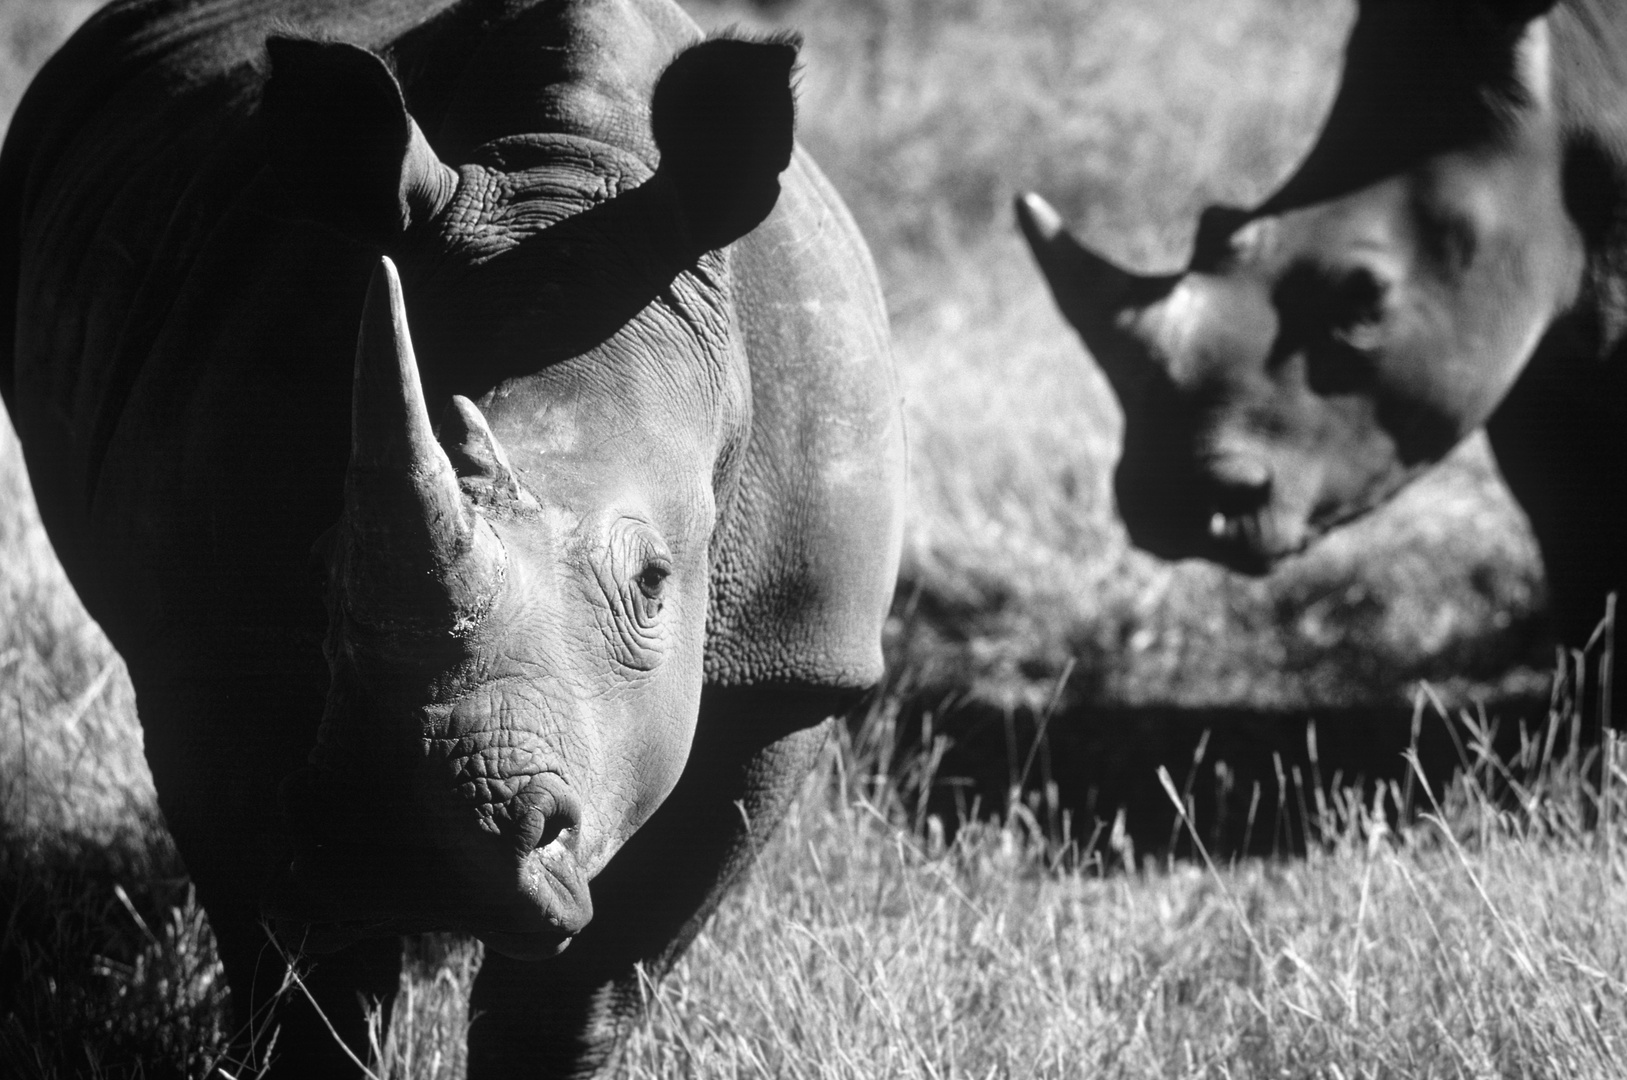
517 600
1324 348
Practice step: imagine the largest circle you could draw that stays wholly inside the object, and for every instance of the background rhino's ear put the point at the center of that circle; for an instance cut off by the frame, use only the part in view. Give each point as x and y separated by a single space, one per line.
1520 11
724 117
343 145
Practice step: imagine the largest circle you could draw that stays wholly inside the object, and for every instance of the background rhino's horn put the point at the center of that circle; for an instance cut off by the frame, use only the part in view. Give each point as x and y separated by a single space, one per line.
478 458
1098 298
417 549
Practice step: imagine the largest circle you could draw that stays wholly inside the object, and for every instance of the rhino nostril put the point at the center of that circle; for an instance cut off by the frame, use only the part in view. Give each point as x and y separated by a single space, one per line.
540 813
536 829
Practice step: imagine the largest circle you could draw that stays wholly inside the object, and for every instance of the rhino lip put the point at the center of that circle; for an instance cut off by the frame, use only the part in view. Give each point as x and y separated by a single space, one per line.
524 946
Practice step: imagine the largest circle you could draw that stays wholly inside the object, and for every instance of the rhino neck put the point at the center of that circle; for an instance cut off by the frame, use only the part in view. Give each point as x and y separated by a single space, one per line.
1417 81
489 69
1589 39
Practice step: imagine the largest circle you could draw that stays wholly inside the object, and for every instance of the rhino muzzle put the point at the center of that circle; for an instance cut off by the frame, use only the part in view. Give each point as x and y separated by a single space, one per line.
368 862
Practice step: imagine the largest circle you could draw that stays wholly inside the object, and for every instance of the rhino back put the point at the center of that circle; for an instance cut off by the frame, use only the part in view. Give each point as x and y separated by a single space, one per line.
163 436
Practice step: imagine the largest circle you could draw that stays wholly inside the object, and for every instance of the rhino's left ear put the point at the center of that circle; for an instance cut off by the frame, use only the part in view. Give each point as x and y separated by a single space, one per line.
343 145
724 117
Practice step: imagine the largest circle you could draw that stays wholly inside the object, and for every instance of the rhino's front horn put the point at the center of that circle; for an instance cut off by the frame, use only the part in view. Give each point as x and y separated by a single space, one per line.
418 553
1103 302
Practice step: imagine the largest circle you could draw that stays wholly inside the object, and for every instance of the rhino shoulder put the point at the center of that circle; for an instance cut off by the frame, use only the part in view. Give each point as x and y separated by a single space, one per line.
804 571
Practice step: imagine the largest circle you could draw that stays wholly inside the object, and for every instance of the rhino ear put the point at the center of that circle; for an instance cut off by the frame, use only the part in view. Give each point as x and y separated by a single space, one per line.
724 118
343 145
1520 11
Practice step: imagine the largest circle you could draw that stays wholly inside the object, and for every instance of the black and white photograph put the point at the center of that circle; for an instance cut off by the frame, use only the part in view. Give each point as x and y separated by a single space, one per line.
830 539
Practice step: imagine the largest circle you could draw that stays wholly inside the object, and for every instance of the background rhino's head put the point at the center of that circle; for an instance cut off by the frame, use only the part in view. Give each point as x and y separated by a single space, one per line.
518 601
1322 349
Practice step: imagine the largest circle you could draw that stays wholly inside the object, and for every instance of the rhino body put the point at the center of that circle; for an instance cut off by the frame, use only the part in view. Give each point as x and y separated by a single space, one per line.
1451 253
504 585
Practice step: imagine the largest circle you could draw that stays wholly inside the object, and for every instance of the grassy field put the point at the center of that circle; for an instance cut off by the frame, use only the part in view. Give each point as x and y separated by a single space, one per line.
1402 926
1482 939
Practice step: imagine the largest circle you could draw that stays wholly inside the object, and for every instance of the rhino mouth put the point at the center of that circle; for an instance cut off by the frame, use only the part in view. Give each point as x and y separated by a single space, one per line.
1252 543
376 867
371 863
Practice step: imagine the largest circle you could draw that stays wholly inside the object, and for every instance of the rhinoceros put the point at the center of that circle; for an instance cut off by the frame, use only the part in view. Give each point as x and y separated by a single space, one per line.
474 425
1451 253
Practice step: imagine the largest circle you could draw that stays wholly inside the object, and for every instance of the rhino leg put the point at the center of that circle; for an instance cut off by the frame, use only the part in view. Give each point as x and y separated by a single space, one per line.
566 1016
217 751
305 1043
1558 441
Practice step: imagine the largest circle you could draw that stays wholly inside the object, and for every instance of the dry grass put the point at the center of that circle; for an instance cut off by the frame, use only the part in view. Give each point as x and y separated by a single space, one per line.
1479 942
1474 944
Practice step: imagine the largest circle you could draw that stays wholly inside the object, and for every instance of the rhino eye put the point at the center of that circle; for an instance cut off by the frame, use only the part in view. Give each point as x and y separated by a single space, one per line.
652 580
1356 307
631 579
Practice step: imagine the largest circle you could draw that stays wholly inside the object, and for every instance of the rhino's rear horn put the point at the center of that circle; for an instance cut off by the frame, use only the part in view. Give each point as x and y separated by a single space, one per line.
417 551
477 457
1097 297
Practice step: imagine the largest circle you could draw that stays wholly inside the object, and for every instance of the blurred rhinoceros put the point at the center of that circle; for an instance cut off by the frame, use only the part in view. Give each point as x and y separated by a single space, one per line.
1452 253
546 673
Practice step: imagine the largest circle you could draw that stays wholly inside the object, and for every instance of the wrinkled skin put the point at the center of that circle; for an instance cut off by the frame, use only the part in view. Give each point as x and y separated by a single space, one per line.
1447 256
488 464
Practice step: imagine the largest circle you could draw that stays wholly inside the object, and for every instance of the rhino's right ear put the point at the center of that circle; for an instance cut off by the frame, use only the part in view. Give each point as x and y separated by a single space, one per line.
342 144
724 119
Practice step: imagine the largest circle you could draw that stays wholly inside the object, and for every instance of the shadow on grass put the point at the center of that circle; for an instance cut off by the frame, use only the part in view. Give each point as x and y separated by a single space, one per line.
109 968
1254 784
